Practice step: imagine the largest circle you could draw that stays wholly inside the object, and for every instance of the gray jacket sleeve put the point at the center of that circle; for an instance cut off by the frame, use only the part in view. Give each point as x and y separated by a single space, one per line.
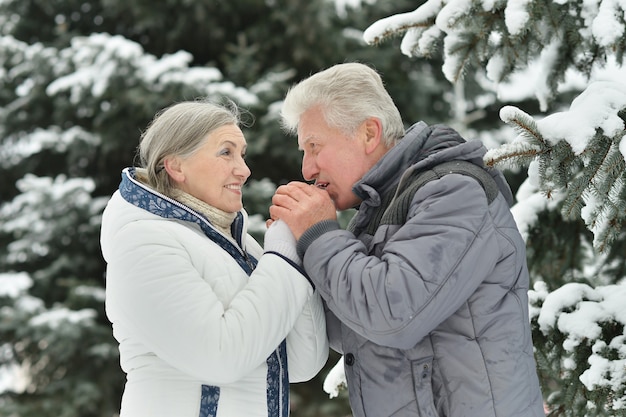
415 275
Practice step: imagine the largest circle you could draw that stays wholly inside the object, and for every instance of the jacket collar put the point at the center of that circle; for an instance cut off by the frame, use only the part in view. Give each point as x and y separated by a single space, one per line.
421 147
139 195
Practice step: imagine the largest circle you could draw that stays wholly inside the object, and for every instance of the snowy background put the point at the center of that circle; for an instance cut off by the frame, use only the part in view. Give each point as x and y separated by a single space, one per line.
79 80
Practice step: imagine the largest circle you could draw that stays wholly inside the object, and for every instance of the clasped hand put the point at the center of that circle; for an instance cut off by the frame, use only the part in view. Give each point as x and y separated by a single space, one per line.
301 205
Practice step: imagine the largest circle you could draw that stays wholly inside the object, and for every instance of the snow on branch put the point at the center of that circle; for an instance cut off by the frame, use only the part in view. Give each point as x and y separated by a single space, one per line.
575 319
93 64
508 36
335 381
580 153
424 16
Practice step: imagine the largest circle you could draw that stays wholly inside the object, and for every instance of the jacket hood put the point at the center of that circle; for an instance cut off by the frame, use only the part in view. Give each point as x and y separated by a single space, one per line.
422 147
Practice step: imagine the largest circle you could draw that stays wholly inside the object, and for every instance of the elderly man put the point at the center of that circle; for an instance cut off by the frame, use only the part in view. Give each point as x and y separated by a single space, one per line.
426 292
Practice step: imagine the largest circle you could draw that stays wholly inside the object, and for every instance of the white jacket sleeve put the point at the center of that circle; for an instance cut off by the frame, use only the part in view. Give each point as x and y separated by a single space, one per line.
155 288
307 344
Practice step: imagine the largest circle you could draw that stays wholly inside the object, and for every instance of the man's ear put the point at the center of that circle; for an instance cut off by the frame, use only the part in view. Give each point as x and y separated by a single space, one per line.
373 134
173 167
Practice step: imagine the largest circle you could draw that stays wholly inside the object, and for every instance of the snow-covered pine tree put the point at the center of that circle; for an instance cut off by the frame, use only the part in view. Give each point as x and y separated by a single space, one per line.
572 206
64 120
577 160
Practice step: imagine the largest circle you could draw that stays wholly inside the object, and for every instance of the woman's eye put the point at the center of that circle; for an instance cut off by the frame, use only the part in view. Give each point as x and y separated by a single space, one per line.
225 152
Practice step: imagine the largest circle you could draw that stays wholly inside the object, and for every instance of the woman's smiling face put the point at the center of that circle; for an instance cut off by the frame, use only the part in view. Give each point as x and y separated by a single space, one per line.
217 171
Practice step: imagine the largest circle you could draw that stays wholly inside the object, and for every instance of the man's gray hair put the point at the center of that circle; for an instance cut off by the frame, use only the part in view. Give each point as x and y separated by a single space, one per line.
180 130
347 94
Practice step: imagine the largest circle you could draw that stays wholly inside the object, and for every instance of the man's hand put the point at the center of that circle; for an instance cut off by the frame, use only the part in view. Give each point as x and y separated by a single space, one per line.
301 205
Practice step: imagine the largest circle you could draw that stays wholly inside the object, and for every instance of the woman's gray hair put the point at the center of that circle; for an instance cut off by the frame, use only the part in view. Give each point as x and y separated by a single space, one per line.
347 94
179 130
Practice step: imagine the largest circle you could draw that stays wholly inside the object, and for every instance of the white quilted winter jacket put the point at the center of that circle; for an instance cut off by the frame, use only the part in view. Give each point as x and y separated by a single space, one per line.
195 331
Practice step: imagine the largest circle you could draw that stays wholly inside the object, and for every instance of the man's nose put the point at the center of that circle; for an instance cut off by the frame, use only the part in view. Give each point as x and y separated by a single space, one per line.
309 168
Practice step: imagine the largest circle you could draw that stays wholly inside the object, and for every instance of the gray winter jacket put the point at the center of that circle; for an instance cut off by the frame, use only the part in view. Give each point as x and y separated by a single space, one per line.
431 315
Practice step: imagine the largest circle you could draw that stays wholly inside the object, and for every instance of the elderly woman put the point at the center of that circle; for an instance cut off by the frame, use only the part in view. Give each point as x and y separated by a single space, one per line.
208 324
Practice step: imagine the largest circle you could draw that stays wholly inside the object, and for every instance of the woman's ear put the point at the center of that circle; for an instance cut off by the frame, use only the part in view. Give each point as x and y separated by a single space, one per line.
173 167
373 134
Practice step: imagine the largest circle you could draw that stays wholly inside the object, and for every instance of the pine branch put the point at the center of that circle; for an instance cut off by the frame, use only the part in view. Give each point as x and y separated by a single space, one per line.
563 162
520 153
523 124
609 184
395 31
529 145
596 179
458 53
609 234
574 200
421 18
